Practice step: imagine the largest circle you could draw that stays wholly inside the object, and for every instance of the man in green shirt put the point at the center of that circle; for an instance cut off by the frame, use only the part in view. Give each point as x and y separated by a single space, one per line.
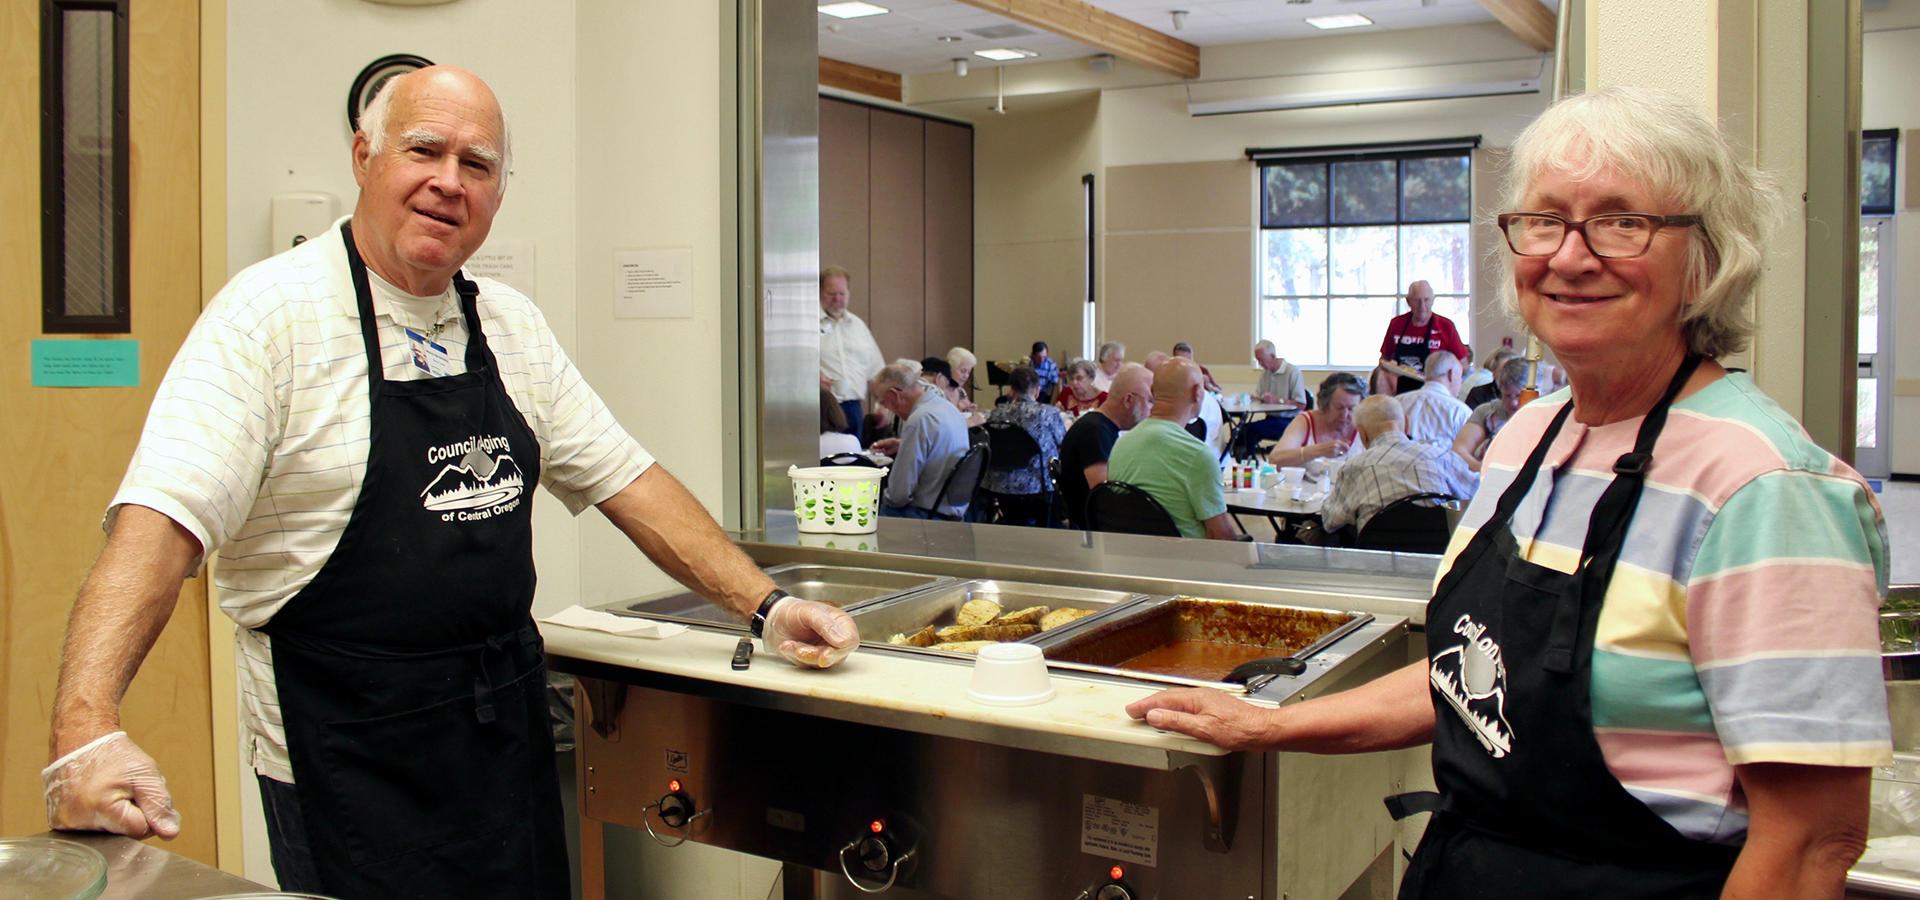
1160 457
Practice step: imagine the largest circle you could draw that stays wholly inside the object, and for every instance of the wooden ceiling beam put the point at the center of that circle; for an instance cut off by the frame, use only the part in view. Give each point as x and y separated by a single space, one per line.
1102 30
1527 19
860 79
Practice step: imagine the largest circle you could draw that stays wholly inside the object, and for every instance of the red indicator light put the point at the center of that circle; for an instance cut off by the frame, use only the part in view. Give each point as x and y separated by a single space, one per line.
674 785
877 826
1116 873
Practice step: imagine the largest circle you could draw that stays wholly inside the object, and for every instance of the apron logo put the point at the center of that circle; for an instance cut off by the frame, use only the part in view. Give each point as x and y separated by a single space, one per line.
1473 679
475 482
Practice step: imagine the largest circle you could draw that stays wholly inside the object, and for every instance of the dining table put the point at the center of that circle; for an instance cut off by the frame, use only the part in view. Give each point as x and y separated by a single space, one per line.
1277 504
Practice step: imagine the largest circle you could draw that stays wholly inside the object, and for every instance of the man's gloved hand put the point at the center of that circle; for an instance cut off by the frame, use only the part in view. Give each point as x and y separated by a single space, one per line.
110 785
809 633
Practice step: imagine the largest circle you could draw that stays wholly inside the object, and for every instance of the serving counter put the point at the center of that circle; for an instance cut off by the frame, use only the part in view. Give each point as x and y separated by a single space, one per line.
881 773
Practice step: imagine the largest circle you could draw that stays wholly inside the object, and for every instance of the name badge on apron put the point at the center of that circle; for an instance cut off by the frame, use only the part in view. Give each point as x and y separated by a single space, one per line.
429 357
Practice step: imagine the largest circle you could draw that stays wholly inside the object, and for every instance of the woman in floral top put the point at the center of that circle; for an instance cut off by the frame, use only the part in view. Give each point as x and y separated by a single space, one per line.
1022 492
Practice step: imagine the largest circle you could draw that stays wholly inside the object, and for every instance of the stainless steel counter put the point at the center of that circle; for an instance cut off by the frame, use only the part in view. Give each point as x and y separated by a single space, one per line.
1392 584
138 871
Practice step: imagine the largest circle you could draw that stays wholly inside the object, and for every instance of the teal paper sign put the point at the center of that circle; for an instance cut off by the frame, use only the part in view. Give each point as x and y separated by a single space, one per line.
86 363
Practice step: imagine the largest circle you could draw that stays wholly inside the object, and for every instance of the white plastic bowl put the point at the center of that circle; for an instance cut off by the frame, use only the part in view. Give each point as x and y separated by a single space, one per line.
1009 674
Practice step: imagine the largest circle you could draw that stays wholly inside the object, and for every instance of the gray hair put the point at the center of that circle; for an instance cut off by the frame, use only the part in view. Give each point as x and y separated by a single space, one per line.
902 374
1512 374
1109 348
1674 150
1339 381
833 272
373 124
1376 413
1499 358
1265 345
1081 366
1442 362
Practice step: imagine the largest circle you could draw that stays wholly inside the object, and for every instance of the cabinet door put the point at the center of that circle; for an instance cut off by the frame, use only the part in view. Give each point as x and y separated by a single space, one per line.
897 239
843 198
949 240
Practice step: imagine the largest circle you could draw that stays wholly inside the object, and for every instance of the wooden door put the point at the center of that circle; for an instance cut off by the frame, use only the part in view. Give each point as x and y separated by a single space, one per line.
897 237
949 254
68 447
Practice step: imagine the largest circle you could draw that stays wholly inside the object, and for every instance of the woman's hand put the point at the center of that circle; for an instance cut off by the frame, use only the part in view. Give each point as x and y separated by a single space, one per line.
1209 715
1324 450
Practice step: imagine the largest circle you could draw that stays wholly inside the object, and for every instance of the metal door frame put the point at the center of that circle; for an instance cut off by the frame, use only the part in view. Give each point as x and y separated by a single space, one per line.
1876 461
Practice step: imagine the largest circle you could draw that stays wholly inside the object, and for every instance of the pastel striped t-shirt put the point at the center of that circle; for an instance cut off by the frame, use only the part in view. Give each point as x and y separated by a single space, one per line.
1741 624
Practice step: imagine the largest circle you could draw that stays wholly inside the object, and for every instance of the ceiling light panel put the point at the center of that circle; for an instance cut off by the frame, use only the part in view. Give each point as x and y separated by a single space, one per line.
1003 54
852 9
1350 20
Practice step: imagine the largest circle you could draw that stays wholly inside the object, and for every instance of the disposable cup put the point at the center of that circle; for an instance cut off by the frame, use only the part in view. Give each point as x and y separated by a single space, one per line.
1292 476
1009 674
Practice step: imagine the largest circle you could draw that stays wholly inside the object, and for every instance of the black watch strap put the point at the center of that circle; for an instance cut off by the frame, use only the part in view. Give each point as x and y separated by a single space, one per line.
759 621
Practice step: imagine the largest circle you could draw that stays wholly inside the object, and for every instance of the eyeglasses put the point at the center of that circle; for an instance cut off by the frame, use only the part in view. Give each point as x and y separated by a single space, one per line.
1611 236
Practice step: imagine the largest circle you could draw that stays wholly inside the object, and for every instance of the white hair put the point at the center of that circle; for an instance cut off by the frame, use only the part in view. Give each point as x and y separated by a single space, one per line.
902 374
373 124
1441 363
961 358
1265 345
1376 413
1110 348
1670 147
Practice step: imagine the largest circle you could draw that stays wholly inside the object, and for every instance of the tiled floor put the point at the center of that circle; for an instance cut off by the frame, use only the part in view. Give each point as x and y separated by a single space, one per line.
1901 502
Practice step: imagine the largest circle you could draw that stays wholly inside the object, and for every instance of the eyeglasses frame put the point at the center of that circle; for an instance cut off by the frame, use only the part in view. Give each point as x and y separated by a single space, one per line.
1580 227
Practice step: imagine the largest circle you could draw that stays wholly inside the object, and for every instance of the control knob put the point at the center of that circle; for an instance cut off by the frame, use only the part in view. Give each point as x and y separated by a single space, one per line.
1114 892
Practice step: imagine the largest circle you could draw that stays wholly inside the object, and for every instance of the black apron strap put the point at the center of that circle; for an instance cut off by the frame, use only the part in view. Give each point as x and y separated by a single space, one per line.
1510 499
1607 529
1412 803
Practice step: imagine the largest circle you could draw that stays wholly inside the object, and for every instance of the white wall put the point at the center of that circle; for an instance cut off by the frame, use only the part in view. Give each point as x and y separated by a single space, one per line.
1890 67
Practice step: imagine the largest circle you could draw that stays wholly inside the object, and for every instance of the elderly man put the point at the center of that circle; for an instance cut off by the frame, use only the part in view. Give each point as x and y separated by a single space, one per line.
1210 419
353 425
1046 368
1107 363
1414 334
1280 382
1159 456
933 437
1184 350
1084 451
1392 467
1433 413
849 358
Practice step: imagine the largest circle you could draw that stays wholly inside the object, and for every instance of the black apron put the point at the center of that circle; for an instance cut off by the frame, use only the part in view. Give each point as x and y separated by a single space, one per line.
1406 355
409 670
1527 807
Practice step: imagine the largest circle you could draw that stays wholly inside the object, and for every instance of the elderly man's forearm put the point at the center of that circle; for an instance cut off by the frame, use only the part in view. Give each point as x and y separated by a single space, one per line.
123 605
670 526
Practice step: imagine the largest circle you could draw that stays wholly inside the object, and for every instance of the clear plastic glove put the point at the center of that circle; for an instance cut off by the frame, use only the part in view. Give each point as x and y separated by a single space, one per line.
110 785
809 633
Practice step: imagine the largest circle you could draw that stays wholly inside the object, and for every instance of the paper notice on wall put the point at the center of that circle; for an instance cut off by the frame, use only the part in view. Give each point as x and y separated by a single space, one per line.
653 284
1128 832
509 262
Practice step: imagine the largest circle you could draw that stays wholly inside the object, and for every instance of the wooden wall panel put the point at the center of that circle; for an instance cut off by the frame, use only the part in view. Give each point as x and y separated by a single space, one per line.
69 447
844 198
949 255
897 240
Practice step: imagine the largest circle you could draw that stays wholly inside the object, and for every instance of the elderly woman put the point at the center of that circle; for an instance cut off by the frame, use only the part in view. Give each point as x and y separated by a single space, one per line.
1111 357
960 363
1653 654
1326 431
1080 395
1488 418
1021 493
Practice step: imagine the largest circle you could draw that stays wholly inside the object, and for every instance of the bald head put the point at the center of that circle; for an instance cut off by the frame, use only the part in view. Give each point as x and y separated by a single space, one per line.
1154 360
1378 415
1176 390
1130 397
431 160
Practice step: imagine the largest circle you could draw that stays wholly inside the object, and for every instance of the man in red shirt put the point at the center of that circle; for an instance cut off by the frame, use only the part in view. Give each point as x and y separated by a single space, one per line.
1415 333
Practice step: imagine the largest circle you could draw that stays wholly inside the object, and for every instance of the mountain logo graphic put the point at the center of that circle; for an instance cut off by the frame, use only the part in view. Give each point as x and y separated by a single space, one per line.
1476 687
475 481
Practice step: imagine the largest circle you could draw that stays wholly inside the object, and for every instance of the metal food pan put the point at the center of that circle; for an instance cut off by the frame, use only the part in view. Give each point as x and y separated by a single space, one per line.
840 586
1116 639
940 604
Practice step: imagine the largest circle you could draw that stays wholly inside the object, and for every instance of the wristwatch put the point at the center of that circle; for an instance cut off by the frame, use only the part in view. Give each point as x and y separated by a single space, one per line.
759 621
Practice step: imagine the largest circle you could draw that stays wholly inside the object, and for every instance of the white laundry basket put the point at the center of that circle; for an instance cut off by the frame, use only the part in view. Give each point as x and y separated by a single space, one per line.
837 499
